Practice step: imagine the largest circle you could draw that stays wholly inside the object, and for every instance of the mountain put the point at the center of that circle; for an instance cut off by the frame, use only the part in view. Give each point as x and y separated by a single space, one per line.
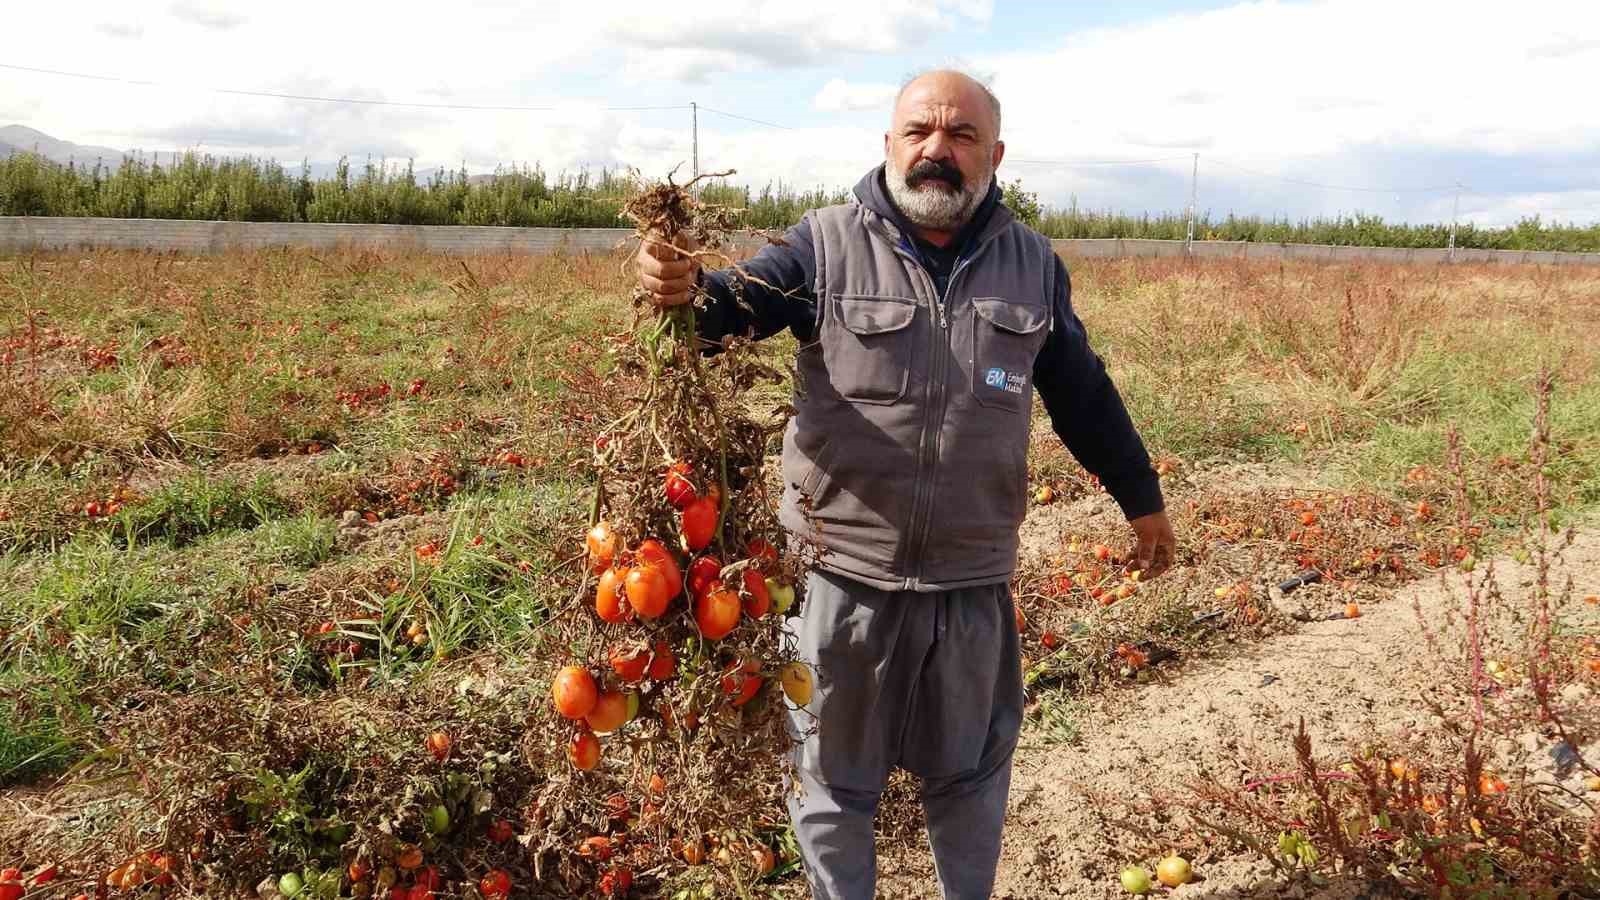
20 138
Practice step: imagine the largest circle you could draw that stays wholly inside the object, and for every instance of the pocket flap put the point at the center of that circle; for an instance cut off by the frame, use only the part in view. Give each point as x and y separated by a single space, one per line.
875 315
1017 318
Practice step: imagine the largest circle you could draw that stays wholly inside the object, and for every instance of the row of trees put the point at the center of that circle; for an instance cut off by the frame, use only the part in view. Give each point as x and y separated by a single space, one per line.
210 188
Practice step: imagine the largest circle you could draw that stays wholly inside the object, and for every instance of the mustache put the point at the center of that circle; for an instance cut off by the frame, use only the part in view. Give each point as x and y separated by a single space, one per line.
929 169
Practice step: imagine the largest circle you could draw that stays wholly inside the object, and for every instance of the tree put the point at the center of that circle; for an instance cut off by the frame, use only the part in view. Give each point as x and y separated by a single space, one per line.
1023 204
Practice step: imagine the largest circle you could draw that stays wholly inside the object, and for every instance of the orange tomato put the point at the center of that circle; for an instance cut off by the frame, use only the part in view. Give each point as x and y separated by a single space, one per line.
609 600
359 870
757 599
584 750
602 544
597 848
699 523
717 611
1352 611
762 856
610 712
574 692
662 664
439 745
693 852
655 553
648 592
630 665
409 857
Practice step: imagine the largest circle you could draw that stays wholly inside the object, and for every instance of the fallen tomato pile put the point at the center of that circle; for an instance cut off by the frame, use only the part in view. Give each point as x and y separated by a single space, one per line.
676 672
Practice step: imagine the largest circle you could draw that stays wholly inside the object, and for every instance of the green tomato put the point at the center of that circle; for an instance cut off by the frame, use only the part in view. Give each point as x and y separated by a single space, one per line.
1136 880
438 820
290 884
782 595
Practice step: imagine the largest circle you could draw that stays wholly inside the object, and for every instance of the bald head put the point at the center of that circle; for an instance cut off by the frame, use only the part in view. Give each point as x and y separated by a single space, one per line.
949 85
941 151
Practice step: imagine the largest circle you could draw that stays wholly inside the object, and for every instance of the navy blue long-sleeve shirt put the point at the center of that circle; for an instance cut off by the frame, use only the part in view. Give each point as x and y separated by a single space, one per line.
1085 409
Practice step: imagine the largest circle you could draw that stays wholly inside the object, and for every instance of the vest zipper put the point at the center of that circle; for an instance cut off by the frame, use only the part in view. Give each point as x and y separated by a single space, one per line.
921 503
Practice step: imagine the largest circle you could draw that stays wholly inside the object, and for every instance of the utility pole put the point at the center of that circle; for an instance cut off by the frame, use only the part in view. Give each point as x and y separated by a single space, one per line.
694 127
1194 194
1454 215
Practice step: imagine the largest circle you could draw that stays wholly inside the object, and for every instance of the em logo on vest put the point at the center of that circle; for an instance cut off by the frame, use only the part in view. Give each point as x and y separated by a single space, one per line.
1012 383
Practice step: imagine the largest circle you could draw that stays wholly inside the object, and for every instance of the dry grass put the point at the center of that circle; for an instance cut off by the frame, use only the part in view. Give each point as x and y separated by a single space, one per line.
203 460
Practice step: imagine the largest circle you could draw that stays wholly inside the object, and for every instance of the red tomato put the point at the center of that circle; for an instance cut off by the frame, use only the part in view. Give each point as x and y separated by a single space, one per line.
662 664
655 553
609 602
10 884
742 683
759 548
703 571
648 591
630 665
616 882
495 883
717 611
757 599
699 523
501 831
680 490
428 878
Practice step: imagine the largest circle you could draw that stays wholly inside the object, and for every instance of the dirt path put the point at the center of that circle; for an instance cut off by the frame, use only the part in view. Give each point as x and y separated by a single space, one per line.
1349 678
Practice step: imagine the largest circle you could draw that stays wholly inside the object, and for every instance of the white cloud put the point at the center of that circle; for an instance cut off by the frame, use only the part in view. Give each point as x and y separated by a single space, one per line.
1346 92
839 95
670 41
208 14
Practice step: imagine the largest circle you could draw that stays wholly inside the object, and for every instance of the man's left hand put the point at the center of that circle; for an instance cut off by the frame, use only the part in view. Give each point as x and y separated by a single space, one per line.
1157 544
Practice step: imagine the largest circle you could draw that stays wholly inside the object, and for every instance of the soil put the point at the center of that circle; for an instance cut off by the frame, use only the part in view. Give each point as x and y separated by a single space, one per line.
1350 679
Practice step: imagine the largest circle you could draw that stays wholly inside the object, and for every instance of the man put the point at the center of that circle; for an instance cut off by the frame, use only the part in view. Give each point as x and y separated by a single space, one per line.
927 316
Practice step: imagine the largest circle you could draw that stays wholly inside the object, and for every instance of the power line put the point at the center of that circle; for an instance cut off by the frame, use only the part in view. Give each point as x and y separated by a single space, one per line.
745 118
360 101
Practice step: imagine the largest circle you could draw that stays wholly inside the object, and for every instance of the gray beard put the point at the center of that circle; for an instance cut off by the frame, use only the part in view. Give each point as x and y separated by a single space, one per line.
932 206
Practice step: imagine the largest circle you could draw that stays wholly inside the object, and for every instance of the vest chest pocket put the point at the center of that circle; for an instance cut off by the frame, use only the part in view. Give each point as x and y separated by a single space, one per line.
1006 338
869 357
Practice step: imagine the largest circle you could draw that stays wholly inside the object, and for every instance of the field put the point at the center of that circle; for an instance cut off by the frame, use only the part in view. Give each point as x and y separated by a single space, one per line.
267 521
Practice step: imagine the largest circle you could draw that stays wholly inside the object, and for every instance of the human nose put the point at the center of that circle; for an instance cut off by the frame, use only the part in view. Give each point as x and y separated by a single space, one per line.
936 147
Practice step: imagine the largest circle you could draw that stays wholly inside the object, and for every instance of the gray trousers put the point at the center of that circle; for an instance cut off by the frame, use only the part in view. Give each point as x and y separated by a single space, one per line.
929 682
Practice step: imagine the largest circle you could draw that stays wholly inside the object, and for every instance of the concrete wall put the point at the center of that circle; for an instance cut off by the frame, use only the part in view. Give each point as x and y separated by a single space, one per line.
23 234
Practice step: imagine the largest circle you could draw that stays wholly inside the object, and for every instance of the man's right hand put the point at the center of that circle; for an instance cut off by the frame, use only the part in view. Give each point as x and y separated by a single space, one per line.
665 273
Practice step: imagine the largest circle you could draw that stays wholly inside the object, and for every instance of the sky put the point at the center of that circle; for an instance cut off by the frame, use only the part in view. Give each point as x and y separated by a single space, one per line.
1295 109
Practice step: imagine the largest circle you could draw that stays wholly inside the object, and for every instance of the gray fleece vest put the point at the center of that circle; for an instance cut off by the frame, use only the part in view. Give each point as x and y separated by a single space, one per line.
906 459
